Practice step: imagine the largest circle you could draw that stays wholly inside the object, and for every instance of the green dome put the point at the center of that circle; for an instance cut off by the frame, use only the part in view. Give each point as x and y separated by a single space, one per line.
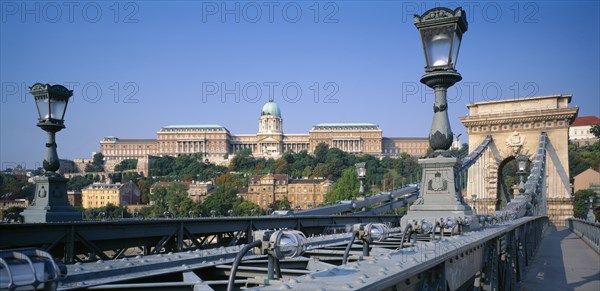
271 108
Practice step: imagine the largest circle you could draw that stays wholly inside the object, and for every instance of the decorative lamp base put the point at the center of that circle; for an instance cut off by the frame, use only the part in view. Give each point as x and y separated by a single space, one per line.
440 195
50 203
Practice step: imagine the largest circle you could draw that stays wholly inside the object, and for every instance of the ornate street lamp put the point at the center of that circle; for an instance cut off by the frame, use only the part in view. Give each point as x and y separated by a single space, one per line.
441 34
50 201
522 167
441 31
361 173
474 199
591 217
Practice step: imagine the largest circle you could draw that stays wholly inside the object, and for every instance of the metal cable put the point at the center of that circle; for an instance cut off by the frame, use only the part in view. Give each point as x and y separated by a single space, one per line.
238 259
348 247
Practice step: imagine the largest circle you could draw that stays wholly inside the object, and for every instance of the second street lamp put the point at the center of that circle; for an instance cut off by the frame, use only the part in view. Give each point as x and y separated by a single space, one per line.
591 217
522 166
361 174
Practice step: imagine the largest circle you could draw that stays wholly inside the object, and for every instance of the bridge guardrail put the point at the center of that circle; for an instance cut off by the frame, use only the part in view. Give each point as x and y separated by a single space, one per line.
587 231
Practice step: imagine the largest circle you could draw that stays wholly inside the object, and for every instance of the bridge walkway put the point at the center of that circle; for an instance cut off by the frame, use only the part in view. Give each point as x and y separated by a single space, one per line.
563 262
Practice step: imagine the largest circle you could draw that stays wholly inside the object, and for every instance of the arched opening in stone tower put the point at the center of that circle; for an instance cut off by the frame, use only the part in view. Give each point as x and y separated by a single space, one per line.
508 181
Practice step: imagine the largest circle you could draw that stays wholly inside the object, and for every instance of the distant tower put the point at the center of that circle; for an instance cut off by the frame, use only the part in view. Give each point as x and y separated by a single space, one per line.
270 129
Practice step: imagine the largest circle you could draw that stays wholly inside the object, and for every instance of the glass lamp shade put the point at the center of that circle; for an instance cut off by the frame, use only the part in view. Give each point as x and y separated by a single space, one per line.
51 100
361 172
522 162
522 165
51 108
360 169
441 45
441 34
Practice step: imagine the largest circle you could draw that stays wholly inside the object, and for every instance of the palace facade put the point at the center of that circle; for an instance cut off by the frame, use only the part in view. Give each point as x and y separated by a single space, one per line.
216 143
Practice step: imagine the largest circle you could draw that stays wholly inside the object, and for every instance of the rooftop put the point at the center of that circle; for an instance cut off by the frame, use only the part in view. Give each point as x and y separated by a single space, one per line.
129 140
195 126
271 108
307 181
518 99
586 120
347 124
408 138
103 186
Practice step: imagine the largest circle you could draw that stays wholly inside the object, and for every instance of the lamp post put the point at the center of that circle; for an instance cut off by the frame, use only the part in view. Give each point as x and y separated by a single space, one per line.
361 174
591 217
441 31
50 203
522 167
474 199
441 34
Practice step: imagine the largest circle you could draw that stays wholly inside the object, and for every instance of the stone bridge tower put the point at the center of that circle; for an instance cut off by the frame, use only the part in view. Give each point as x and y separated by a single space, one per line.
515 126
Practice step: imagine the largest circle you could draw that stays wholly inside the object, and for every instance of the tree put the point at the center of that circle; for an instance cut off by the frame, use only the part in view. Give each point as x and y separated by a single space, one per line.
12 212
321 152
282 166
344 188
581 203
97 164
246 208
98 159
595 130
243 161
221 200
162 166
79 182
307 172
283 204
127 164
390 180
582 158
321 170
177 200
231 180
110 211
144 186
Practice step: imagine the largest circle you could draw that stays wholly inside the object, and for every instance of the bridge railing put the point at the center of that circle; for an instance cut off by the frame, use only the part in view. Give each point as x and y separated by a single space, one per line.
492 258
471 158
587 231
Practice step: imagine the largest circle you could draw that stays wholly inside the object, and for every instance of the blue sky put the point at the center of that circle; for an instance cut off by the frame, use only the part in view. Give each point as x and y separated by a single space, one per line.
137 66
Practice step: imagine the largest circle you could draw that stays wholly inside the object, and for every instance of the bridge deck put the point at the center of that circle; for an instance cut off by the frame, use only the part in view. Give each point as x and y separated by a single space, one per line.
563 262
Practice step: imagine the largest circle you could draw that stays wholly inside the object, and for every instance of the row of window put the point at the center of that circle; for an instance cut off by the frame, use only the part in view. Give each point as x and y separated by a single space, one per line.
192 136
345 128
582 131
346 134
191 129
121 146
127 152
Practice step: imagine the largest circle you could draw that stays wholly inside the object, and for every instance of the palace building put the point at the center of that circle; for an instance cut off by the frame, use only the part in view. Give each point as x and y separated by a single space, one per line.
100 194
216 143
264 190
